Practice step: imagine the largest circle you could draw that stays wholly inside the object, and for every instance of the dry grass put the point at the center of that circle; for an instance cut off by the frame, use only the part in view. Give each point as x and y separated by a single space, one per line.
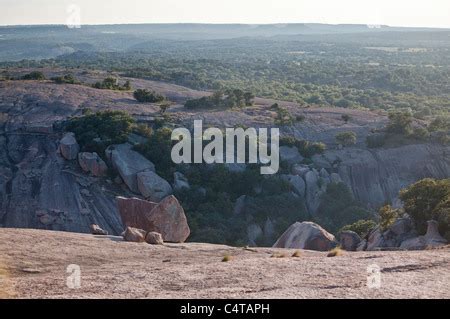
297 253
278 255
227 258
335 252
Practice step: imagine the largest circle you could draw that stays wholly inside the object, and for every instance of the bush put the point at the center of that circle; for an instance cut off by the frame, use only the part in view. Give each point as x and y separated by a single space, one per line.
426 200
346 117
388 216
338 208
346 138
420 133
305 148
146 96
400 122
283 117
35 75
440 123
111 83
228 99
108 127
66 79
158 150
361 227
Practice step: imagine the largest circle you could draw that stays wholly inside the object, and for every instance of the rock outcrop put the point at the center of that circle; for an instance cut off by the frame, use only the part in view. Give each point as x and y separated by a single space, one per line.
69 147
128 164
349 240
306 235
375 176
431 239
180 181
152 186
297 183
92 163
166 217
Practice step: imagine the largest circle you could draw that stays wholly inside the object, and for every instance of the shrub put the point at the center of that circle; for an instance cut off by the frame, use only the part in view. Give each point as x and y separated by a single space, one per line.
440 123
66 79
428 199
110 127
158 150
346 117
335 252
346 138
283 117
400 122
297 254
420 133
35 75
338 208
111 83
146 96
227 258
361 227
388 216
305 148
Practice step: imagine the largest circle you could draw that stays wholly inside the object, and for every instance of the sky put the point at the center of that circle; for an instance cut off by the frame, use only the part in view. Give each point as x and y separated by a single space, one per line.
411 13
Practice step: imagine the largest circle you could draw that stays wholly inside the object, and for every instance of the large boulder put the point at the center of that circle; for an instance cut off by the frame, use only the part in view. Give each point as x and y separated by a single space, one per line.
349 240
135 235
297 183
154 238
97 230
306 235
128 163
69 147
152 186
290 155
375 240
166 218
92 163
180 181
430 240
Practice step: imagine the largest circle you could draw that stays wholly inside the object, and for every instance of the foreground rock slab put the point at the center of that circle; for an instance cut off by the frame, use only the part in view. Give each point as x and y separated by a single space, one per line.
179 270
166 217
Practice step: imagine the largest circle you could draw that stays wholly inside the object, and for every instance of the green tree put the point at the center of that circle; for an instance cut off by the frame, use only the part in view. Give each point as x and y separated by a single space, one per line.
388 216
428 199
146 96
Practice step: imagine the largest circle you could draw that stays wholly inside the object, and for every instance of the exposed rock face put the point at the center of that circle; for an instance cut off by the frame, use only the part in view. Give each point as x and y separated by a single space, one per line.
431 239
134 235
152 186
306 235
128 163
290 155
297 183
313 191
69 147
254 232
239 206
349 240
375 176
180 181
166 218
39 189
300 169
154 238
92 163
97 230
375 240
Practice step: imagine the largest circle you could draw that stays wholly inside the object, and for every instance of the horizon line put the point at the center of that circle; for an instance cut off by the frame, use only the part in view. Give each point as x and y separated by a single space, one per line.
229 23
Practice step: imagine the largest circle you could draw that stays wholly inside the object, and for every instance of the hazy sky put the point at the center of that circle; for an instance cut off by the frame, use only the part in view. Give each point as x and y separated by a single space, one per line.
430 13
